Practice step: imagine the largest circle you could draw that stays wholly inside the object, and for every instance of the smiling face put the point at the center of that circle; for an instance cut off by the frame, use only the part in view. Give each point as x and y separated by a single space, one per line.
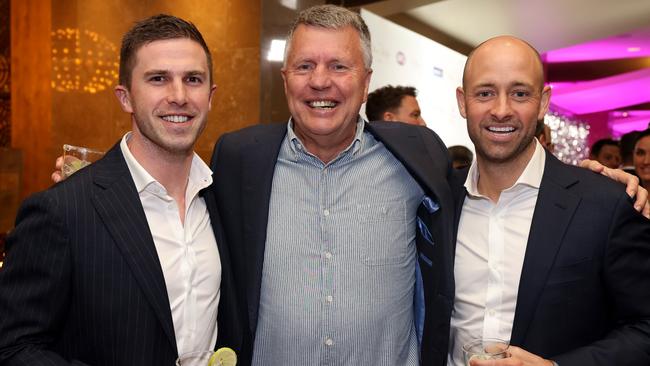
169 97
502 98
326 82
642 160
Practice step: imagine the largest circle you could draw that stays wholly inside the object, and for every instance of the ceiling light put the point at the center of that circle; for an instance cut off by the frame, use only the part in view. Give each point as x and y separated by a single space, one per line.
633 49
276 52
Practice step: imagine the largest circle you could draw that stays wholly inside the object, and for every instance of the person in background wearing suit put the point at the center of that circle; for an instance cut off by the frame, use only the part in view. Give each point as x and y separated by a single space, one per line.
574 295
119 264
394 103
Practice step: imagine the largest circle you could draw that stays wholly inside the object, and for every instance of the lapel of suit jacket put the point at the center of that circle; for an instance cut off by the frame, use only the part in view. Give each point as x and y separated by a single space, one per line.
258 166
430 169
229 328
407 146
553 211
118 204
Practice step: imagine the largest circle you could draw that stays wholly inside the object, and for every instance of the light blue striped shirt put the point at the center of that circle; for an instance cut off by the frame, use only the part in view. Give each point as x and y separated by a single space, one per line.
339 264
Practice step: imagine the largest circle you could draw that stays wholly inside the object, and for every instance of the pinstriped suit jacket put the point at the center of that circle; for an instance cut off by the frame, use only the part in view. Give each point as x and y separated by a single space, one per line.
82 283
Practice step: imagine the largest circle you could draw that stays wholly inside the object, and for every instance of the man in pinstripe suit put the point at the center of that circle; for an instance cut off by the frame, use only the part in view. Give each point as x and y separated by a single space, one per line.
119 265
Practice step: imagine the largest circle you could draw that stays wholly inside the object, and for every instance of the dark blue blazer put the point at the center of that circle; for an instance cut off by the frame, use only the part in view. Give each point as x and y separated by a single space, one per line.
82 283
244 163
584 293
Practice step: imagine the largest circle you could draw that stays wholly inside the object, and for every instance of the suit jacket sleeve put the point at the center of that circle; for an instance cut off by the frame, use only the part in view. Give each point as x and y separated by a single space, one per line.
626 275
34 285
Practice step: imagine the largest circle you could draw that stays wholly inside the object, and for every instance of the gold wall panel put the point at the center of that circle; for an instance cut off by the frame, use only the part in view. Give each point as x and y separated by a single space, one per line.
53 105
31 94
231 29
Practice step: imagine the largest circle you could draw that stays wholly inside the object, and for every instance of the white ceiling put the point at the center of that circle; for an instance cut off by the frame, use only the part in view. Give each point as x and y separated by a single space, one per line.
546 24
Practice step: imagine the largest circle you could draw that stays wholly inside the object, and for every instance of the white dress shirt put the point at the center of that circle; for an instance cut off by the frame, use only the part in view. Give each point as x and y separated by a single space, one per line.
188 253
490 249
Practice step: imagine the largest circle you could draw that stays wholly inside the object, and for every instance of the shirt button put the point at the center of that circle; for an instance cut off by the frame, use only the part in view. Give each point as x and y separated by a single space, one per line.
329 342
491 313
329 298
328 255
326 212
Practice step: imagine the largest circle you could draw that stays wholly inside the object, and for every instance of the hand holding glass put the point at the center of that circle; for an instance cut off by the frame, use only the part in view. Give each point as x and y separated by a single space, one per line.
76 157
485 349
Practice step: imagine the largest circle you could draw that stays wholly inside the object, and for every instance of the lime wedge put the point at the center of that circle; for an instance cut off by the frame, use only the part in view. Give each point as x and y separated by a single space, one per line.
223 357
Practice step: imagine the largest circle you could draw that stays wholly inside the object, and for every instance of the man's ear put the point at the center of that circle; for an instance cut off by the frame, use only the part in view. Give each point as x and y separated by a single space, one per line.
213 88
460 100
124 97
388 116
545 101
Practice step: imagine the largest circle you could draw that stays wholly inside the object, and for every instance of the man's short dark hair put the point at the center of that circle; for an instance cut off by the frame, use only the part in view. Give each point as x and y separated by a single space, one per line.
598 145
386 99
626 144
156 28
641 135
461 156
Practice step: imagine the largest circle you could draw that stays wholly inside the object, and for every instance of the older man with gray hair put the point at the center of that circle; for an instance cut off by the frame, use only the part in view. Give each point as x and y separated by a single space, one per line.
329 269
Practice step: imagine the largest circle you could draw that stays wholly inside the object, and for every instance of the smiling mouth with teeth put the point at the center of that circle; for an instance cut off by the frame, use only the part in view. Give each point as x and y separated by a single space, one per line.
176 119
505 129
324 104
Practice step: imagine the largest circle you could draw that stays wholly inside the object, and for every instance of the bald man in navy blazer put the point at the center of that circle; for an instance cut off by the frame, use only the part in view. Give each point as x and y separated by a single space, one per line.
551 257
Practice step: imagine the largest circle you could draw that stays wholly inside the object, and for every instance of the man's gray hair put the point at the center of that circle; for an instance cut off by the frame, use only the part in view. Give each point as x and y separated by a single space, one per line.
333 17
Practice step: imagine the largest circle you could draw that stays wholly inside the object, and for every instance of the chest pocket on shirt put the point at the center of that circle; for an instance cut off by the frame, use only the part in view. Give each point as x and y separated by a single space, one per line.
383 229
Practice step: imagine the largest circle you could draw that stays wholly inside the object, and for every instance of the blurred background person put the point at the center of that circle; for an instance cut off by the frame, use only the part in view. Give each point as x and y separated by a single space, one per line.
626 144
543 134
606 152
642 157
394 103
461 156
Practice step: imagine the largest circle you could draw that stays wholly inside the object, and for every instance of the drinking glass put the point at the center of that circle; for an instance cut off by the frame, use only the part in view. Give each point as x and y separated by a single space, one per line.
77 157
485 349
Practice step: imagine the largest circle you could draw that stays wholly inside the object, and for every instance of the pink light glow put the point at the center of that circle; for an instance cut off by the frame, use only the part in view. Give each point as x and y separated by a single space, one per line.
605 94
635 44
623 122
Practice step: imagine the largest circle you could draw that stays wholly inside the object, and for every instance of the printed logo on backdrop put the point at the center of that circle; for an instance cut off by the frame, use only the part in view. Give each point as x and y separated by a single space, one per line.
438 72
400 57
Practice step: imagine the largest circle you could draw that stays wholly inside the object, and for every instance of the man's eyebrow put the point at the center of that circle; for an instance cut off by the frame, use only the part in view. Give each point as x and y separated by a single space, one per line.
521 83
196 72
484 85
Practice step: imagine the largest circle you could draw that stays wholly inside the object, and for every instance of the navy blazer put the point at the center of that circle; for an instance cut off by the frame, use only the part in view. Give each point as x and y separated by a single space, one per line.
244 164
584 293
82 283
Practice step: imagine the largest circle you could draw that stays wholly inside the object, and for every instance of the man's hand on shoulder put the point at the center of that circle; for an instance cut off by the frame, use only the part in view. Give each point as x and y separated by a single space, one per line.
633 188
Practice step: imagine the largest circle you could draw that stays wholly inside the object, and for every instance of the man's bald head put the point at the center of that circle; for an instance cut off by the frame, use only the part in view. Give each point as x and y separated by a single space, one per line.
505 46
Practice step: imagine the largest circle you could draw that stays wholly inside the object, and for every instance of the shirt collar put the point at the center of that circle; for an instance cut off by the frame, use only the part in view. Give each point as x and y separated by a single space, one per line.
531 176
200 173
297 146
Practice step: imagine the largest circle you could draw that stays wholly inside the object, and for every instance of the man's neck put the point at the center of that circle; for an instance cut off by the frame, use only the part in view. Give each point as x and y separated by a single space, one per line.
171 170
326 147
495 177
